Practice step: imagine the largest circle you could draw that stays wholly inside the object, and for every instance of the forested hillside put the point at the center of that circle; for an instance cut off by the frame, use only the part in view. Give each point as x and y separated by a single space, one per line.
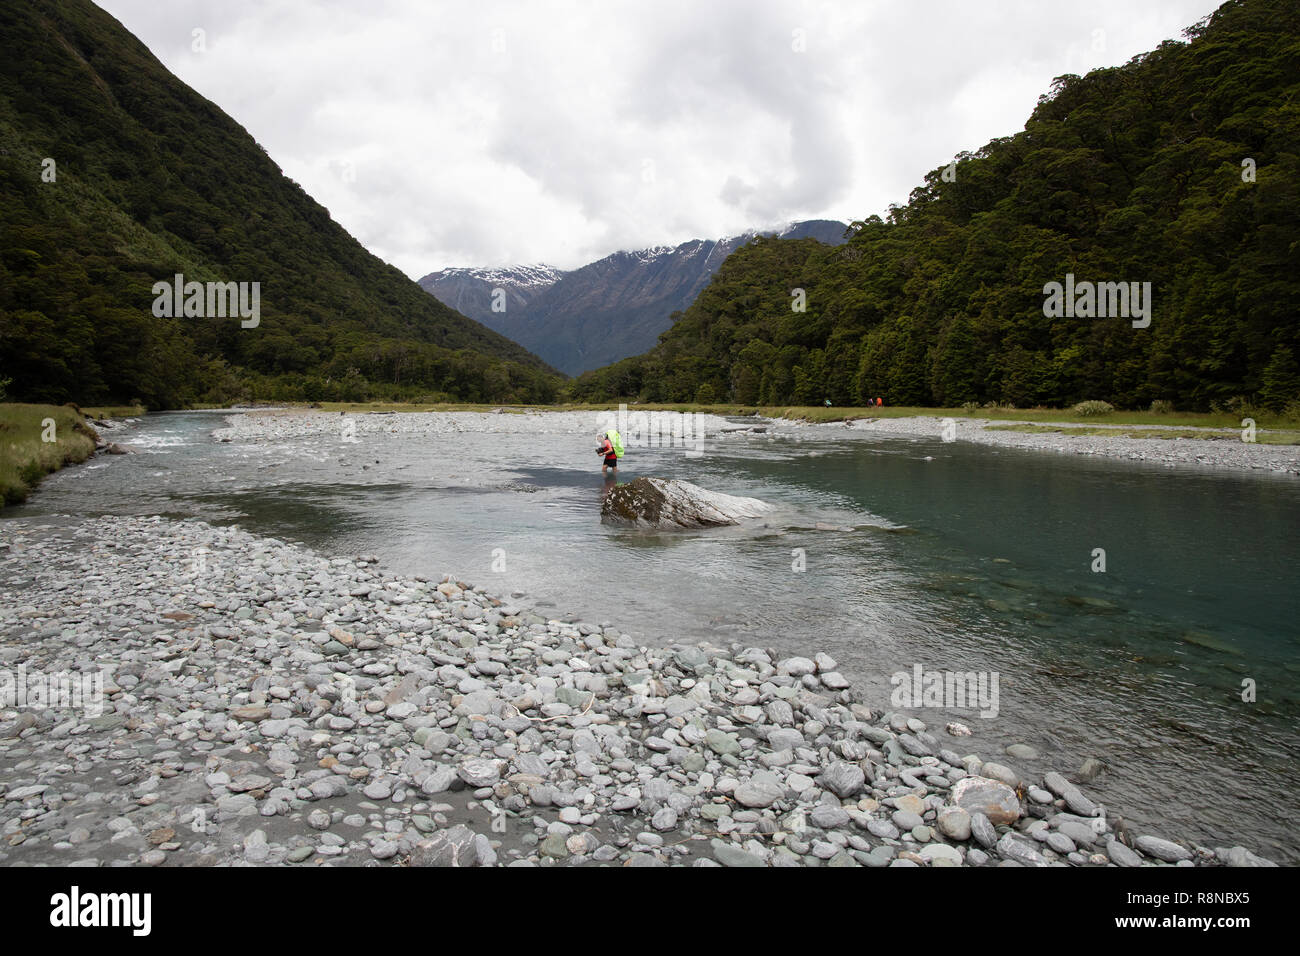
1180 168
115 175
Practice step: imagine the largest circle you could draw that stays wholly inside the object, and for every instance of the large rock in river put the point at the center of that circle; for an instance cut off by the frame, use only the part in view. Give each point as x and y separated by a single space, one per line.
662 503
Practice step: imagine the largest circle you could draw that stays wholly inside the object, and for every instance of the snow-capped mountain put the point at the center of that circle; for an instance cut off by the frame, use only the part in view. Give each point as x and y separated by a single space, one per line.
606 310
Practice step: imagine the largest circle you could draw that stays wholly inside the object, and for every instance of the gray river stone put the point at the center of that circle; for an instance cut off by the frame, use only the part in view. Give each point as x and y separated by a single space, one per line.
1162 849
828 817
906 820
1072 795
982 830
1012 847
450 848
1240 856
761 790
721 743
729 854
1121 855
480 773
955 823
842 779
992 798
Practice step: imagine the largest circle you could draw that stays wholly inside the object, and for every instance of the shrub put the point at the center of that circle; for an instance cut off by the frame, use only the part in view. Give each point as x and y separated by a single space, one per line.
1089 409
1238 406
1162 406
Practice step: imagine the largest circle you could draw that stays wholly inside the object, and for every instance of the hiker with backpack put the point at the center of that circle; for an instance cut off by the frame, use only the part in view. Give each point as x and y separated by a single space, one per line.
610 447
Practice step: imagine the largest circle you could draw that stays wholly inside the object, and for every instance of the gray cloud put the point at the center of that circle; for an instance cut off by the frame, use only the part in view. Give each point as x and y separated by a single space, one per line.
490 133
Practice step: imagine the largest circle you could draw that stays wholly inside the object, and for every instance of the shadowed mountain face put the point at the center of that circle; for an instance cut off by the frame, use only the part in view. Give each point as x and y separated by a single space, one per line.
114 175
603 311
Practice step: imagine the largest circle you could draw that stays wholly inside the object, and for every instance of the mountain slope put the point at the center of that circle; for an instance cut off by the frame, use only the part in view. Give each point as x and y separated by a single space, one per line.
603 311
150 179
1180 169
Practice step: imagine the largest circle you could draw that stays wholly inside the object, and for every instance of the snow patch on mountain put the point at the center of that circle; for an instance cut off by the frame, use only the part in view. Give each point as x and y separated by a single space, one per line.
529 277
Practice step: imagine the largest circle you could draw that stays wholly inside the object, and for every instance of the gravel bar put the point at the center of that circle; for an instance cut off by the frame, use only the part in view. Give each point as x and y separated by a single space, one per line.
266 705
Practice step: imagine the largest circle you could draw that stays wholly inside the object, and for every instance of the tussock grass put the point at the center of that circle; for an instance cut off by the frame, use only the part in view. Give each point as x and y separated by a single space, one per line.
114 411
25 458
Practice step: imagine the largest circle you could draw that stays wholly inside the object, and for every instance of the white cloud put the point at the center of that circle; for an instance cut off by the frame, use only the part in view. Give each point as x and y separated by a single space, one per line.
492 133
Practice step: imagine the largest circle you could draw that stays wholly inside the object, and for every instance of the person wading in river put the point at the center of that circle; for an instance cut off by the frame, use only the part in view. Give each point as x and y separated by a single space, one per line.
606 448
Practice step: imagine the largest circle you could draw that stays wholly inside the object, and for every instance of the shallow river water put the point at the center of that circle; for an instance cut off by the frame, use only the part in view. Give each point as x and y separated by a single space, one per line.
947 555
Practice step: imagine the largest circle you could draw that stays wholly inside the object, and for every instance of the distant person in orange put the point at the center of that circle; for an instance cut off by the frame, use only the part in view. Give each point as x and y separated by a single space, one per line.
879 402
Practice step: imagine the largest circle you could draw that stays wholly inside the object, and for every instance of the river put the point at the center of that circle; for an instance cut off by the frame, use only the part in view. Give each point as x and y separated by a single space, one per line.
950 555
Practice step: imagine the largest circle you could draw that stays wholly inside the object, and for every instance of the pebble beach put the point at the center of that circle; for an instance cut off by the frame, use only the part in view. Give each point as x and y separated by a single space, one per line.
263 704
1194 450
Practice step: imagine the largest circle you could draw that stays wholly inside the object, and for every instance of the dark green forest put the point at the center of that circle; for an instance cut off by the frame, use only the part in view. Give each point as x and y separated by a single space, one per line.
150 179
1180 168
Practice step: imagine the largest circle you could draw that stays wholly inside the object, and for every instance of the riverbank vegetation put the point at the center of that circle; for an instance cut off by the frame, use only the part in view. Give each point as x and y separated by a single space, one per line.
100 412
36 440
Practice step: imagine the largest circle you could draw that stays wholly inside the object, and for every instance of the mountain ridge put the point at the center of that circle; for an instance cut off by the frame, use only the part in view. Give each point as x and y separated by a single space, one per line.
612 308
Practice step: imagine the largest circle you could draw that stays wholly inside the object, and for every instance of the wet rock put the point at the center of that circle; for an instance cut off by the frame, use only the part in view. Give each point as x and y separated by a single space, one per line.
661 503
1162 849
1240 856
1121 855
1072 795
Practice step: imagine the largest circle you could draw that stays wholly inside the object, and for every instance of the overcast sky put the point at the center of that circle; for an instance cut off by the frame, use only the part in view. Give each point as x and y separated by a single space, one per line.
493 133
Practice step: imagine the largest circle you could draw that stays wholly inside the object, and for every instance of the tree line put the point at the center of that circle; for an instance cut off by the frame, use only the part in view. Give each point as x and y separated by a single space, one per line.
1178 169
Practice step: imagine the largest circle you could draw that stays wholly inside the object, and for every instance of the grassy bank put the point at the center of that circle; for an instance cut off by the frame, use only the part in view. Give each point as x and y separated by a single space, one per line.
1221 420
114 411
1262 436
1225 422
26 456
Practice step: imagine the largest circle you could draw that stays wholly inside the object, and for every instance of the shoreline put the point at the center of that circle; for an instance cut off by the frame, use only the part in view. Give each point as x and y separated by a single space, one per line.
1189 451
1056 437
267 704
